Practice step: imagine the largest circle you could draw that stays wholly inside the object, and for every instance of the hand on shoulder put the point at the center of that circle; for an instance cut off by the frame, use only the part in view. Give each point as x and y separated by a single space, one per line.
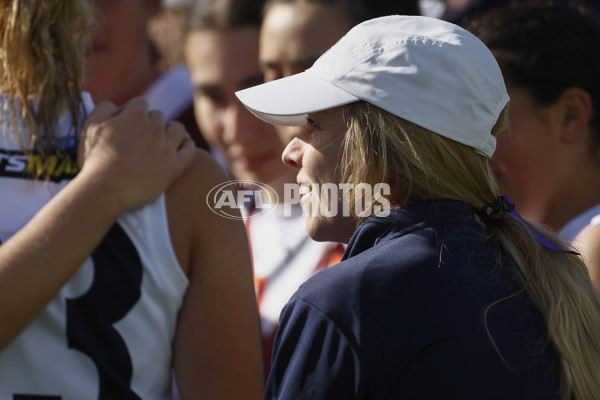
132 152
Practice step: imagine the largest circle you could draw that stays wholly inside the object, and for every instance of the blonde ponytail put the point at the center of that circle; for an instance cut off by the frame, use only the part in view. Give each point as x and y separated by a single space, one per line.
421 165
560 286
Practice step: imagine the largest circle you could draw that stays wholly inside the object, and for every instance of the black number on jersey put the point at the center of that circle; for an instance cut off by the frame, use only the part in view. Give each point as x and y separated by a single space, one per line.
115 289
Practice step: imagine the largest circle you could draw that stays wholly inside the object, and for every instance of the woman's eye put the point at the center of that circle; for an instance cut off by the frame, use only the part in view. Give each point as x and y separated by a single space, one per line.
312 125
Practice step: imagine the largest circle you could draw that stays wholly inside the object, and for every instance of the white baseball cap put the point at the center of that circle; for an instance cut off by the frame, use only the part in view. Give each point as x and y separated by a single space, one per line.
425 70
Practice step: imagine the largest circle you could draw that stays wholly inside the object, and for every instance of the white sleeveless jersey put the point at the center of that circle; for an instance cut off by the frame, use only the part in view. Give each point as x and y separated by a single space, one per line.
108 333
579 225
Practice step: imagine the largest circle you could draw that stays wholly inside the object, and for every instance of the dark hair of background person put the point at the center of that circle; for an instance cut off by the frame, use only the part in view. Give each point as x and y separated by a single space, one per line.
224 14
545 48
474 9
362 10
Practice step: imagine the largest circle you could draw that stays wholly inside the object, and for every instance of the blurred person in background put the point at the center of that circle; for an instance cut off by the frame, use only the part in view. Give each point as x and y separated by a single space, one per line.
124 63
548 161
294 33
221 50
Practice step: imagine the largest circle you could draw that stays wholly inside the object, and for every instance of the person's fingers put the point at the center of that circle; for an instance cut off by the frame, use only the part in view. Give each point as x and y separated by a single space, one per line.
158 119
135 105
186 153
176 133
103 111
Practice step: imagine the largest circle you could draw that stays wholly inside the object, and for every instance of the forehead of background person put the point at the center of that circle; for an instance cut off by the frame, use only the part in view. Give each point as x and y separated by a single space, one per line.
295 33
224 57
300 32
362 10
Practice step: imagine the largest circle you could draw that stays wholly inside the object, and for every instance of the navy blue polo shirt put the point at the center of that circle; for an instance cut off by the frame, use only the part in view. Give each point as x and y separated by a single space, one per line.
408 314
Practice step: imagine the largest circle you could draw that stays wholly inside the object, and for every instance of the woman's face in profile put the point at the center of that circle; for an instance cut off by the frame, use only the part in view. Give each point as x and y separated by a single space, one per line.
316 153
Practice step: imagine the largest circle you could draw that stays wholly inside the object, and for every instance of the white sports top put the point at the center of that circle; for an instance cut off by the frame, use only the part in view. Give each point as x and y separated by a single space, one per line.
575 227
108 333
172 92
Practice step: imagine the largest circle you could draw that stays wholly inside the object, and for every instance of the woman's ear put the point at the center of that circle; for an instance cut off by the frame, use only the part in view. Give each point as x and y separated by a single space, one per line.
575 109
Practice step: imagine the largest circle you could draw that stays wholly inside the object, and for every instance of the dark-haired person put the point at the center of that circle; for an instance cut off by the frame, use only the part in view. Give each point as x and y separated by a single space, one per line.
221 48
294 33
548 162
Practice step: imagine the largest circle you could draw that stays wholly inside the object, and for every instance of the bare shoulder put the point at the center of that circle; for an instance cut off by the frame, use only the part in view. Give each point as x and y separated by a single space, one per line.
217 339
202 174
192 224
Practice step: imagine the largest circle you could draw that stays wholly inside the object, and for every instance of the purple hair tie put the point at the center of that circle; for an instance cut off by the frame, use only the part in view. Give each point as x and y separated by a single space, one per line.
505 204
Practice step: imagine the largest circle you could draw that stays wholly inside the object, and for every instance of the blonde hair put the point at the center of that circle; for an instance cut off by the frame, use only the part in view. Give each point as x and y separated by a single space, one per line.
41 63
421 165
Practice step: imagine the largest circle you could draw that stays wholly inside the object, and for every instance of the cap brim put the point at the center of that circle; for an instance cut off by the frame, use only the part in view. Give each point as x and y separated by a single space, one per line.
287 101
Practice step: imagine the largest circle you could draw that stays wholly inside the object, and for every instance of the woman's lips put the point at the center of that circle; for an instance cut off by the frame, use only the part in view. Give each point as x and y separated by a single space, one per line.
304 191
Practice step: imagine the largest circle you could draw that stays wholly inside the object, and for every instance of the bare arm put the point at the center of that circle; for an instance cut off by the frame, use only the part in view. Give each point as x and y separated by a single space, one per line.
120 172
217 344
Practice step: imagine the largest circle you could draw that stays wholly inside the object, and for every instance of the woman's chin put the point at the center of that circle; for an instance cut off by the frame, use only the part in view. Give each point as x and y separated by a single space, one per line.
322 229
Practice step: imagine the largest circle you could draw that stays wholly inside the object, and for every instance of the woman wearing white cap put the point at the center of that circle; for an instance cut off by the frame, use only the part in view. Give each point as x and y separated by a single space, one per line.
447 293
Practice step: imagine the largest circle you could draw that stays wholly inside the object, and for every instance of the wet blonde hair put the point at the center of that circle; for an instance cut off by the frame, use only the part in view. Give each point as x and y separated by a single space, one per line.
41 63
421 165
